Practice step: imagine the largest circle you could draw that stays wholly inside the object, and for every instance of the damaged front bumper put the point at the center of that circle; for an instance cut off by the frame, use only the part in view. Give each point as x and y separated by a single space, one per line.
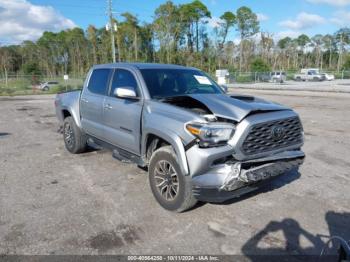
232 179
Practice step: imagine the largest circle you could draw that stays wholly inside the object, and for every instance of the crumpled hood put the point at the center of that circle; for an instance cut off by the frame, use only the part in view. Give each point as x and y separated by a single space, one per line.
235 107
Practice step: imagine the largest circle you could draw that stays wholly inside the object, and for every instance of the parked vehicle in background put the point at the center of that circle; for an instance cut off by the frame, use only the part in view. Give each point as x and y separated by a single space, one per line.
327 77
46 86
275 77
278 76
198 142
309 74
221 76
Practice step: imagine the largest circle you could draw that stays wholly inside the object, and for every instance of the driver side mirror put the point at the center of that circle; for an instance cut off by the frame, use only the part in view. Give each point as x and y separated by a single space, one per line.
125 92
224 88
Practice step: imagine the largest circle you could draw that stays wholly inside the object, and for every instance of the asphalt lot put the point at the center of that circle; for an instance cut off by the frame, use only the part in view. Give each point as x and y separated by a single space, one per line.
52 202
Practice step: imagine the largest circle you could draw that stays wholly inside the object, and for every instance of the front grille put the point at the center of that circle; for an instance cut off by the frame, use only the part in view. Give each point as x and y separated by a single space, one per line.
261 137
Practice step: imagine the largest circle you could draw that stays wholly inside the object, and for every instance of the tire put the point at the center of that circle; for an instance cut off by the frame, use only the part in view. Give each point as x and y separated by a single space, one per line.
46 88
74 139
177 195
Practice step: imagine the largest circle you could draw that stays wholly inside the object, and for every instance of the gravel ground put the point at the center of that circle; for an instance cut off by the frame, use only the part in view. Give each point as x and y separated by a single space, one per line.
52 202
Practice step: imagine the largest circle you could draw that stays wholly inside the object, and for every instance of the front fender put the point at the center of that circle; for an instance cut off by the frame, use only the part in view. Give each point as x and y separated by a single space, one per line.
173 139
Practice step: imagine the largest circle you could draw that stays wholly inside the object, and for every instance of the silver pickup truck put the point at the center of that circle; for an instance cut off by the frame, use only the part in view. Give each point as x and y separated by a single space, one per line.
197 141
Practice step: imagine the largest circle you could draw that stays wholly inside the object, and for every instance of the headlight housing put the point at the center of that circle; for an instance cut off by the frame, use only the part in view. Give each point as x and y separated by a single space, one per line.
211 134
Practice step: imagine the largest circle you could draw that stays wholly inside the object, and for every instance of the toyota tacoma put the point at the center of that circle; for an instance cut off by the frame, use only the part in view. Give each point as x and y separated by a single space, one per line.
197 141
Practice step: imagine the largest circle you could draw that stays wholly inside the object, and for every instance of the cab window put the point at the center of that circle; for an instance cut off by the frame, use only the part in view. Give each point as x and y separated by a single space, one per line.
123 78
98 82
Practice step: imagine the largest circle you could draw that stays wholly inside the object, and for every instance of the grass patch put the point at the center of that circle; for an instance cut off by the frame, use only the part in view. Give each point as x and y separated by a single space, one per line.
244 79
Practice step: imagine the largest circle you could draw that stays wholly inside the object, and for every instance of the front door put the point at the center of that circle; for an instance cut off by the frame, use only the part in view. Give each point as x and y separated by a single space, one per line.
122 116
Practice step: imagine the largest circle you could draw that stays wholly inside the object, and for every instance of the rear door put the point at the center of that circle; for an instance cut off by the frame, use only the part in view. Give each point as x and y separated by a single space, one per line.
91 102
122 116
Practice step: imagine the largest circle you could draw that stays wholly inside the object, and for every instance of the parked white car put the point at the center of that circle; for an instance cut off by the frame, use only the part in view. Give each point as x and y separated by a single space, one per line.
309 74
278 76
46 86
328 77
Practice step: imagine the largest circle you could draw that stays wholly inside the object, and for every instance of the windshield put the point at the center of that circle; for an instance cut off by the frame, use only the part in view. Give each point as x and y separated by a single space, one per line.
163 83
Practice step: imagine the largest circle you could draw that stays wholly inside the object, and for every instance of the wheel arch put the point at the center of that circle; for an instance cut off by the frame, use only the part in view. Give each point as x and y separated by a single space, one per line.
66 112
166 137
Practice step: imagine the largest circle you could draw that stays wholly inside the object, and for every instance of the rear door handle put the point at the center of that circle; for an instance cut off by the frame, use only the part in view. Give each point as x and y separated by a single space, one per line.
108 106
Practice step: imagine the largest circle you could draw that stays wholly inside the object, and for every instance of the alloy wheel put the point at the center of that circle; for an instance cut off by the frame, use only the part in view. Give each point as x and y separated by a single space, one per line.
69 135
166 180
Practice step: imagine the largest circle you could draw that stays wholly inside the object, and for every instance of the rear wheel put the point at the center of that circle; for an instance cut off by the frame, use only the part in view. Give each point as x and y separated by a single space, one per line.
74 138
170 187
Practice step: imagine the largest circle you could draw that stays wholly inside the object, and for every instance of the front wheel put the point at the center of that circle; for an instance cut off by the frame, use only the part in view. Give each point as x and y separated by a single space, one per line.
74 138
171 189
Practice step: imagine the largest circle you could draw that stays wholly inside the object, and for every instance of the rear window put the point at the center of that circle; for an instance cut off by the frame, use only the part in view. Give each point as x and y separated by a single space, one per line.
98 82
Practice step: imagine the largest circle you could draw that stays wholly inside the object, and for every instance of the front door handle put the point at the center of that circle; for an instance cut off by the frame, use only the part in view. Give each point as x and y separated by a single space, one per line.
108 106
84 100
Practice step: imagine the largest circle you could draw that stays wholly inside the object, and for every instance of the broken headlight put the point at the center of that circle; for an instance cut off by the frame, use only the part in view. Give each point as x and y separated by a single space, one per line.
211 134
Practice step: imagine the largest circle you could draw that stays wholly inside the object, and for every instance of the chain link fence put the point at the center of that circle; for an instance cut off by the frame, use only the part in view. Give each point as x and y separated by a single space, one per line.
36 84
251 77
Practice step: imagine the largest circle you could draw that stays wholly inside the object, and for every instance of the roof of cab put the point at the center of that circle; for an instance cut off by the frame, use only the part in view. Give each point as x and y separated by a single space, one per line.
142 66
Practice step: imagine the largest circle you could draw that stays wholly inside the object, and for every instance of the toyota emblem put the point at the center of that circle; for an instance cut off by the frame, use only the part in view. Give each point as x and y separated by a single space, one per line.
278 132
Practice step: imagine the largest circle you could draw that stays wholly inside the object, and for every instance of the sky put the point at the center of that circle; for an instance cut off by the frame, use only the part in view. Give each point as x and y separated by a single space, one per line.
27 19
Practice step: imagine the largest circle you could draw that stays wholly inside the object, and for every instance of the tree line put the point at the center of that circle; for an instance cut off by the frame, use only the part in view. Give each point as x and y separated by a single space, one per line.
179 34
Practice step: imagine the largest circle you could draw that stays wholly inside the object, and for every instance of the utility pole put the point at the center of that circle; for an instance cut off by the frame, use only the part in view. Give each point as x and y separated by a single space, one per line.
340 58
111 28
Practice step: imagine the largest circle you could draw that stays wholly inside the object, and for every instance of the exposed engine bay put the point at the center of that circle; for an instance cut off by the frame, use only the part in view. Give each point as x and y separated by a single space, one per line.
188 102
198 107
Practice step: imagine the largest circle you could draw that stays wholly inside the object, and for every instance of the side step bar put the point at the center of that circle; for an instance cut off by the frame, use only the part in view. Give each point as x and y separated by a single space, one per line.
120 157
117 153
